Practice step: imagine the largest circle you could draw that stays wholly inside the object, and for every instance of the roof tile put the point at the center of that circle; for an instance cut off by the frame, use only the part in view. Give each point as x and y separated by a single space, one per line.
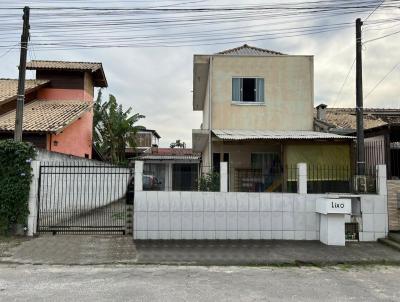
43 64
46 116
9 88
246 50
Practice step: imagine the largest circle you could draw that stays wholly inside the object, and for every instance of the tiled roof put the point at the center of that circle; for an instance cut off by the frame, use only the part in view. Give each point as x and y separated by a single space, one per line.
9 88
43 64
46 116
246 50
171 154
274 135
99 77
345 118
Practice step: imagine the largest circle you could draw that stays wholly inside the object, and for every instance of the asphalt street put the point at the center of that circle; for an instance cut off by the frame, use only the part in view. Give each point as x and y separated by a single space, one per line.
196 283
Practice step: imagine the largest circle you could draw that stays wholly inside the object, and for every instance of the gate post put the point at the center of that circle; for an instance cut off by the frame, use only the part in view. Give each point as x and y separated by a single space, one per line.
302 178
138 175
32 201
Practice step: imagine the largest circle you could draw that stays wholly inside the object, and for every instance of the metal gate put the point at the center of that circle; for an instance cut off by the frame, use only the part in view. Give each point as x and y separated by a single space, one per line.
82 199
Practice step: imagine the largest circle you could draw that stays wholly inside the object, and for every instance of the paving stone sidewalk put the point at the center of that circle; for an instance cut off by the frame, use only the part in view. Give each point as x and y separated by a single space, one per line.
98 250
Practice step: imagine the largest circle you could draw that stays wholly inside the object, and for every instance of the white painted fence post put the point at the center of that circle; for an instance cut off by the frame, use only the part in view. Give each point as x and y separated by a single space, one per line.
381 185
302 178
223 176
32 201
138 175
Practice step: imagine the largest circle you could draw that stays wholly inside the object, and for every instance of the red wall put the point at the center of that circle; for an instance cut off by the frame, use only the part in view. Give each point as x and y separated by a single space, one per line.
76 139
64 94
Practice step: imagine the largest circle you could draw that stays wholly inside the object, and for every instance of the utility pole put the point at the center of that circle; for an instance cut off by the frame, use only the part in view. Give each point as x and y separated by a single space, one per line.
359 102
21 77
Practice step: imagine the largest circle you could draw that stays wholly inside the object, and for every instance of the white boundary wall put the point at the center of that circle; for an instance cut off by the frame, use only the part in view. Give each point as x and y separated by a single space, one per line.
206 215
230 215
218 215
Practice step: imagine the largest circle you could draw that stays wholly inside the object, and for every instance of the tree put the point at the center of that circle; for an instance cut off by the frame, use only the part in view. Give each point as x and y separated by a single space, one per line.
114 128
178 144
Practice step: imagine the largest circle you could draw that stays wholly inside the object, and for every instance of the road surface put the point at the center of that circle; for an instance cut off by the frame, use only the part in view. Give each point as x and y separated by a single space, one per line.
190 283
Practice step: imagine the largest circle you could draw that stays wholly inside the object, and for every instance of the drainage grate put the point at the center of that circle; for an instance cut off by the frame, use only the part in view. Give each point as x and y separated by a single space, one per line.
351 231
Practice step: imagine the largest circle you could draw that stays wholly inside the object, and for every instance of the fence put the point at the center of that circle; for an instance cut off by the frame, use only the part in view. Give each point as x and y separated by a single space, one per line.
279 179
179 177
337 179
274 179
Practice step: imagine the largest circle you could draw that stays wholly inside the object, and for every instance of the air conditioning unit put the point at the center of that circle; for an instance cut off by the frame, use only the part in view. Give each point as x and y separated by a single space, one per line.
360 184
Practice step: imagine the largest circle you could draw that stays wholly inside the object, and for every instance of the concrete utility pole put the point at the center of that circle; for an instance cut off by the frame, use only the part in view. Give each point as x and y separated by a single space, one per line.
359 102
21 78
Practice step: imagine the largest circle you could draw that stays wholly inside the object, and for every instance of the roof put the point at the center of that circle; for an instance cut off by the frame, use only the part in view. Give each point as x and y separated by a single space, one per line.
345 118
171 154
46 116
175 157
46 64
247 50
275 135
94 67
9 88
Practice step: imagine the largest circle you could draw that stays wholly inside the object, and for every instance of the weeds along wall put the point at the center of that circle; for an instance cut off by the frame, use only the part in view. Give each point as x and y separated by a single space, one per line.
15 179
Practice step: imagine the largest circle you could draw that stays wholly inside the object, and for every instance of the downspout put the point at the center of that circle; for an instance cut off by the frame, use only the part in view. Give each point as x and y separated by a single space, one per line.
209 113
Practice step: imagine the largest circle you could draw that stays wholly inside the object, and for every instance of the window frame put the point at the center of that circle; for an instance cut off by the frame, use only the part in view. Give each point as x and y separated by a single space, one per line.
248 103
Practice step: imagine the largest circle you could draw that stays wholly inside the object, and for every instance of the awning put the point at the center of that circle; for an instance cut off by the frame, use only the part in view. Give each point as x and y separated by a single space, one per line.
237 135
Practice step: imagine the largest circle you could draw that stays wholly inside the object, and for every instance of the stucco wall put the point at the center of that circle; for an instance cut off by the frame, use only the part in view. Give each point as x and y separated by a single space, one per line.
288 93
76 139
328 154
64 94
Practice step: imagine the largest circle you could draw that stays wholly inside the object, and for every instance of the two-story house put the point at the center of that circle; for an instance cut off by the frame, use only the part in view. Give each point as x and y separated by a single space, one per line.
58 110
258 116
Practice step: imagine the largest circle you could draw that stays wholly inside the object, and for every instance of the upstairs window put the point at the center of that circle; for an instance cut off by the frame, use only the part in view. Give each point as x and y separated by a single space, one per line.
248 90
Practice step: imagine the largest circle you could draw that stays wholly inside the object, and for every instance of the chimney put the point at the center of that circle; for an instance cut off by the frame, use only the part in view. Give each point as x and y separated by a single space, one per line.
321 112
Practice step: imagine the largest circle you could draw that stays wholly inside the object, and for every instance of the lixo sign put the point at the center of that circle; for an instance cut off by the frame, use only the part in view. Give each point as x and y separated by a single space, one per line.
333 206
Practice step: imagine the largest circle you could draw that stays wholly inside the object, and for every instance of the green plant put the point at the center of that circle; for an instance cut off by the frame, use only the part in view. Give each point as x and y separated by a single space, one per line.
114 128
15 180
209 182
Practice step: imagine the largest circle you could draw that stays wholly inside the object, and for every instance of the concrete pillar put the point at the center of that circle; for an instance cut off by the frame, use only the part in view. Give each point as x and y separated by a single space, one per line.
302 178
381 184
223 176
33 202
138 175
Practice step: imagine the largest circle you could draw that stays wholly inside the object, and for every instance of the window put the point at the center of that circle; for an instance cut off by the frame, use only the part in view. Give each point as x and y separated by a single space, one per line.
248 90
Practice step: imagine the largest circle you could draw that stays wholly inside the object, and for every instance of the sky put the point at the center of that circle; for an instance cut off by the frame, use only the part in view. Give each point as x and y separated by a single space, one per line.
156 81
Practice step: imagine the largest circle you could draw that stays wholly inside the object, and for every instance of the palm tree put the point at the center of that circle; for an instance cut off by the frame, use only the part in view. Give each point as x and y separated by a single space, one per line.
114 128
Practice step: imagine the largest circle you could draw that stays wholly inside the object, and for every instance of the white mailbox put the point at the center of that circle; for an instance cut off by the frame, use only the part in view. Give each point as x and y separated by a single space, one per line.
332 220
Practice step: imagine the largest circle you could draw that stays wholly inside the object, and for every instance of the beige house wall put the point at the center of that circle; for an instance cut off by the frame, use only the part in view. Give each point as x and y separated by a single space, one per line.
393 187
291 153
289 97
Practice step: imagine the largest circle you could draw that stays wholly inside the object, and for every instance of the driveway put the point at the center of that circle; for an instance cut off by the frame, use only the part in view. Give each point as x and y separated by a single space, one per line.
185 283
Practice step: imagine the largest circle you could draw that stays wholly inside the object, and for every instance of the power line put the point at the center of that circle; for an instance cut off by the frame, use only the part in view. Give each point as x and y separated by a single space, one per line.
344 82
381 80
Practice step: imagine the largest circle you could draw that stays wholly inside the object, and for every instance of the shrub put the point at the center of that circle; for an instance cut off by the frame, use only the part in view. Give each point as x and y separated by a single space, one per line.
15 179
209 182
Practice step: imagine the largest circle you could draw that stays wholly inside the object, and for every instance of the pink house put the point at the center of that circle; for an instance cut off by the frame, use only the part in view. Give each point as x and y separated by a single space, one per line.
58 112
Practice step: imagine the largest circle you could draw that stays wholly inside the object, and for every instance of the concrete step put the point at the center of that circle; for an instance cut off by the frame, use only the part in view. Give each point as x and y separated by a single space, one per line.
394 236
390 243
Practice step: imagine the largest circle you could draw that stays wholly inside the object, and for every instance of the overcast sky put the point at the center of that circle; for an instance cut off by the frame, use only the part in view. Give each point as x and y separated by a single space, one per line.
157 81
